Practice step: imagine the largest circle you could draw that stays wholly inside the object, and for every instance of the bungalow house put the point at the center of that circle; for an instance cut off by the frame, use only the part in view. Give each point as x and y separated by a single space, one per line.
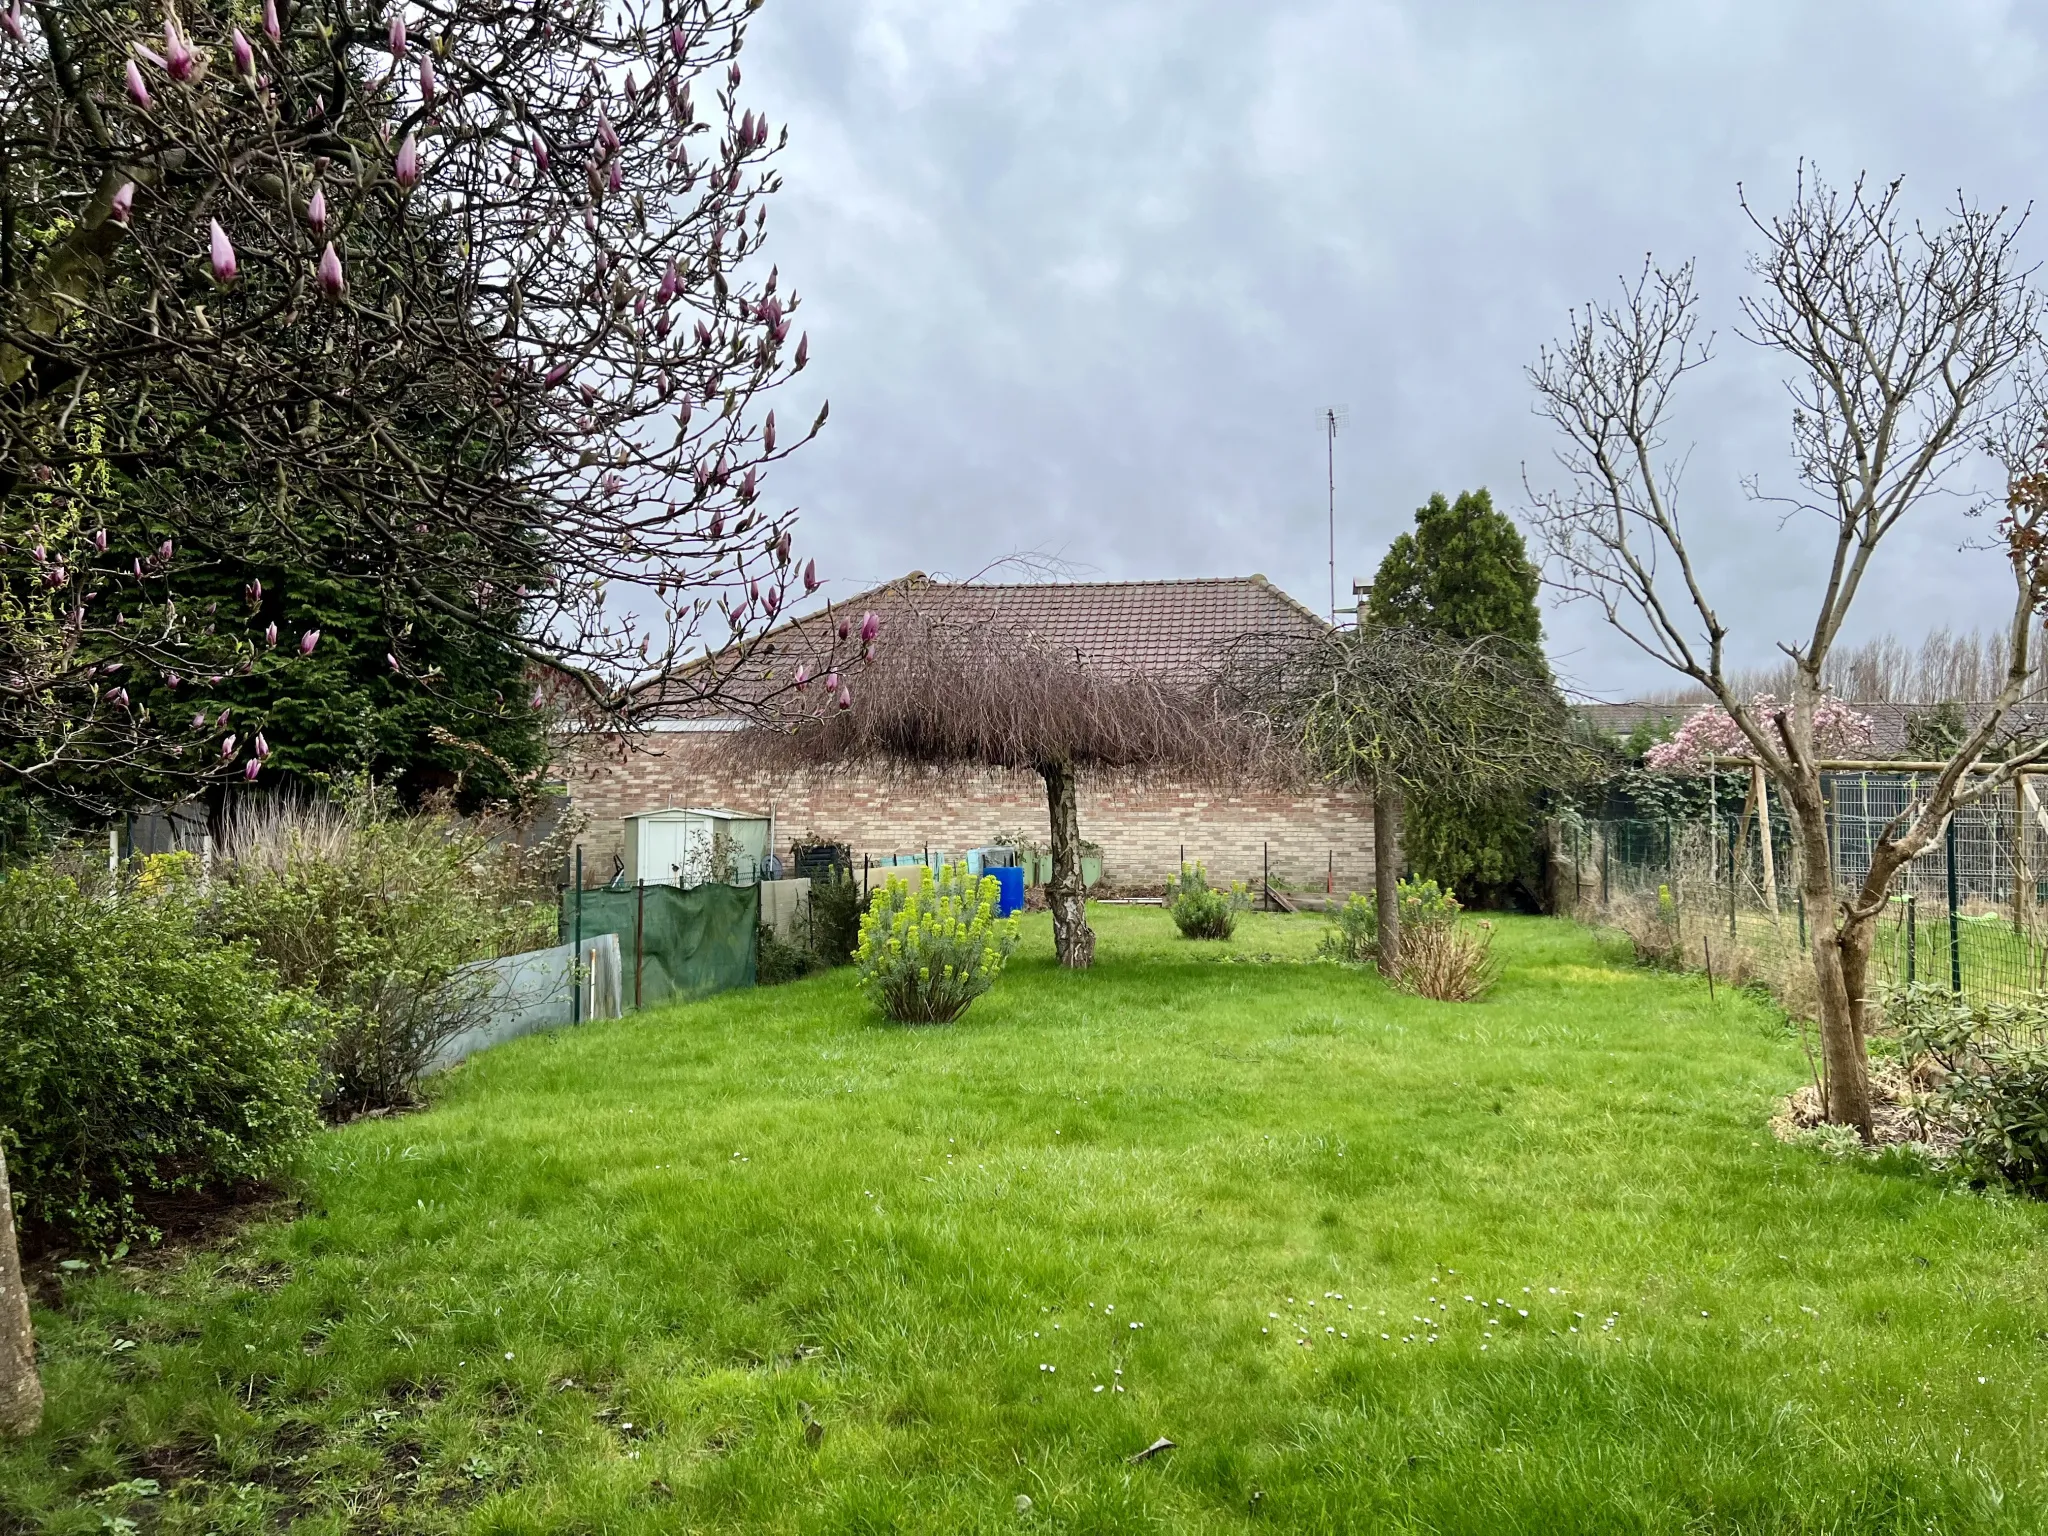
1145 824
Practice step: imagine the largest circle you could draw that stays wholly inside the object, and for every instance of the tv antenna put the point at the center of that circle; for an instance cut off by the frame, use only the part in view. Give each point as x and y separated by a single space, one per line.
1330 418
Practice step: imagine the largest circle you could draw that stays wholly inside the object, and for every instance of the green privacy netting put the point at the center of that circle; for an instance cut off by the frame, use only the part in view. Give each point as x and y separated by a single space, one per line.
673 942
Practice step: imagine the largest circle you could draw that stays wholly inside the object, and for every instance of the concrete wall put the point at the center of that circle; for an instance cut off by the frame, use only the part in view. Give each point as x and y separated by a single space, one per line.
1141 823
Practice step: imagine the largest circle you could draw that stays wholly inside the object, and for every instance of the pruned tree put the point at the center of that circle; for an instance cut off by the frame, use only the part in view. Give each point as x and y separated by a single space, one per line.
955 690
470 288
1400 711
1903 343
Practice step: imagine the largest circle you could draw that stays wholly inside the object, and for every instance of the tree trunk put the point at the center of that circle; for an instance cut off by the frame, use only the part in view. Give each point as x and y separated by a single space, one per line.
21 1391
1840 947
1386 874
1072 939
1762 788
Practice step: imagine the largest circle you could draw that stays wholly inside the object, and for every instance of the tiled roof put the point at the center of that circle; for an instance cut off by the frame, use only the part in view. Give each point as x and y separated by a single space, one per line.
1145 626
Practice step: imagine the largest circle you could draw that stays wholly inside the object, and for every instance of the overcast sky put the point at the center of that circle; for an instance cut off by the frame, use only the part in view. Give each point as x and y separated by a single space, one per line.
1081 274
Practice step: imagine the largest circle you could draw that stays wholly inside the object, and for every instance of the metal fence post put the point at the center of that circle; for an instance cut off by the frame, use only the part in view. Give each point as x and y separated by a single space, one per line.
1912 941
1955 927
576 948
1731 884
639 942
1802 919
1606 888
1266 855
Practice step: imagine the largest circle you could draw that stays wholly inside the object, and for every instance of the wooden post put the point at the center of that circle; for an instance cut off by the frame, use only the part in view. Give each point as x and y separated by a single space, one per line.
21 1390
1763 832
2022 905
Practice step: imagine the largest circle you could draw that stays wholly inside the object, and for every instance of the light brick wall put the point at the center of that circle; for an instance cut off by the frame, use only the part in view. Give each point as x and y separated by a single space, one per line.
1142 823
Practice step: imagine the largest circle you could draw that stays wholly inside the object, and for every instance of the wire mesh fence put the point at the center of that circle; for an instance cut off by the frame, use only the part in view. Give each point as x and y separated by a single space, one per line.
1970 914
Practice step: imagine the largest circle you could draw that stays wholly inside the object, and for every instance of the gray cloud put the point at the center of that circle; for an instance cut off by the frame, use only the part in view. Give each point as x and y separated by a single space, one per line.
1080 273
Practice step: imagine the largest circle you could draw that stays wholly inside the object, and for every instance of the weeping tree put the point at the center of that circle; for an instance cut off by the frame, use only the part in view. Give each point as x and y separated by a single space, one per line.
955 691
1398 711
1908 348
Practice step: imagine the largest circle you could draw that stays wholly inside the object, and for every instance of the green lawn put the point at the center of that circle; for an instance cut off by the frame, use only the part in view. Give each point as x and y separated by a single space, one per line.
763 1264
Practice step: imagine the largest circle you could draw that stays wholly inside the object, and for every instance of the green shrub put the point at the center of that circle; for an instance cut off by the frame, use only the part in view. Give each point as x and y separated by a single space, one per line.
778 960
1202 913
1447 962
139 1054
376 914
836 904
1992 1078
1355 931
929 948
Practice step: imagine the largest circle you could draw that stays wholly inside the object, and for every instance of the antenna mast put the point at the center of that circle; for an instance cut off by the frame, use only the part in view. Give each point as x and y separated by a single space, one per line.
1330 418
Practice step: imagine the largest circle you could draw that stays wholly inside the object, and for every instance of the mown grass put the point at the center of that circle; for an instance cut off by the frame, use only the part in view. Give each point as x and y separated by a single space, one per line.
764 1264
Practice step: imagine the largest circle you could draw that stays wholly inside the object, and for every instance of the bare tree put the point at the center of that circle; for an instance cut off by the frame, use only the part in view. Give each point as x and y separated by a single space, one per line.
1396 711
1904 343
954 689
475 286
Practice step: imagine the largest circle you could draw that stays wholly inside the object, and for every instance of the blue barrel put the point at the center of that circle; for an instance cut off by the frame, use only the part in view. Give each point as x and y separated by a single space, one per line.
1009 890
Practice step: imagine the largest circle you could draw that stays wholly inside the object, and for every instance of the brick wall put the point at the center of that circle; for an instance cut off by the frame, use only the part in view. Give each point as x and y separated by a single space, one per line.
1142 823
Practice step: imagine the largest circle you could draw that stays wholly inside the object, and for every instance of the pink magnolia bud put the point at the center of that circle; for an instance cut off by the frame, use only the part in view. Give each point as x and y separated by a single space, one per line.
718 525
244 55
123 204
223 255
227 748
395 35
846 698
316 211
782 550
270 635
391 661
332 282
810 576
138 91
831 681
178 58
844 629
607 135
556 374
870 625
118 696
11 20
307 641
199 721
427 78
99 541
803 677
221 719
732 76
867 652
803 349
254 591
138 568
768 434
749 487
262 747
540 154
271 29
251 769
172 679
678 42
163 550
406 168
537 700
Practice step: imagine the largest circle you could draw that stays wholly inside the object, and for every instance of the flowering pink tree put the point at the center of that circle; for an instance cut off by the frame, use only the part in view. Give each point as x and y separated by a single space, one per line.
473 288
1710 732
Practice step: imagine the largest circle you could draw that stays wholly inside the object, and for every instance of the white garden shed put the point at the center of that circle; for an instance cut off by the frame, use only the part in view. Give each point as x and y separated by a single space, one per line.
697 846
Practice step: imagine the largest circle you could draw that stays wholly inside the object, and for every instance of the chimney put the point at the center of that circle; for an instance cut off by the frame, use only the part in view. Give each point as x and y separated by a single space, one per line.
1362 592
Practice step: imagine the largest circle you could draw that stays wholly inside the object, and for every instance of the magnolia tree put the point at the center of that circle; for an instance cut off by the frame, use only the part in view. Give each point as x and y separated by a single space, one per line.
1905 344
1711 735
474 286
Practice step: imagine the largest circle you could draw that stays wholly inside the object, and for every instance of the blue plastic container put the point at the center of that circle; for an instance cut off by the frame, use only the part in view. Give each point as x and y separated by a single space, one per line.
1009 890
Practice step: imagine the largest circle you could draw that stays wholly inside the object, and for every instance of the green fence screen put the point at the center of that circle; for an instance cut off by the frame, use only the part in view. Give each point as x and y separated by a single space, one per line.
673 942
